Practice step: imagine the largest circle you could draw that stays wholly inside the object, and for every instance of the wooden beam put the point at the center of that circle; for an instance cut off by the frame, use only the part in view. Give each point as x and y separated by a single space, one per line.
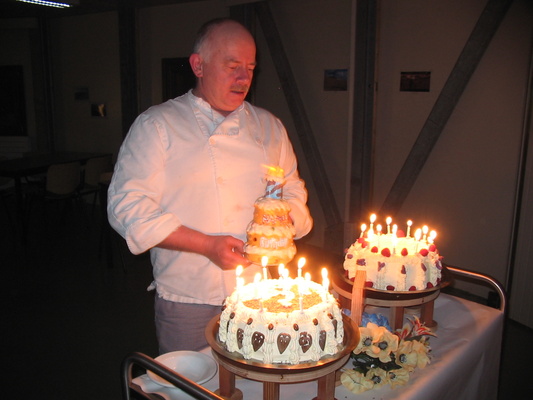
475 47
363 109
128 64
303 127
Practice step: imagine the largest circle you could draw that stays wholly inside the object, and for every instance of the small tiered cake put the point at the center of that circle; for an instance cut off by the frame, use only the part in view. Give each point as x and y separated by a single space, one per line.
271 231
393 261
282 321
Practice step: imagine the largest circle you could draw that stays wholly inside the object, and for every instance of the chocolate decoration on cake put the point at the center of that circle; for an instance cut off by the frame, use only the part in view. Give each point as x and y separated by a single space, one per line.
240 337
315 321
270 326
257 340
322 340
283 342
249 322
334 322
305 341
296 327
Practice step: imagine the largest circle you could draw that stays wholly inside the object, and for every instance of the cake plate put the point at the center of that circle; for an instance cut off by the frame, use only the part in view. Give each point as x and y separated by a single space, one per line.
272 375
394 300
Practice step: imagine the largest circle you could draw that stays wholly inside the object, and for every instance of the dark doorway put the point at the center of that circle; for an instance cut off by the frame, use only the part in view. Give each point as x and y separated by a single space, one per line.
178 77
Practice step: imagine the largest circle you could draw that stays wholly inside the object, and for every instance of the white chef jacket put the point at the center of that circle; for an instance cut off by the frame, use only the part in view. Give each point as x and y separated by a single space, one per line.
183 163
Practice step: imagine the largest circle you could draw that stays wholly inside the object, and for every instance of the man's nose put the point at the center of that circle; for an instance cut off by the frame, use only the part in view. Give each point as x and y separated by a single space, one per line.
244 74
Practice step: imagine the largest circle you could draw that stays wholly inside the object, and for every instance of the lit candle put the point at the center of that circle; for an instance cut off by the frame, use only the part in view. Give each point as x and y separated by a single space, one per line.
425 230
432 236
394 238
388 220
301 263
363 229
257 280
372 220
264 263
301 301
409 223
418 235
325 280
378 228
238 272
281 267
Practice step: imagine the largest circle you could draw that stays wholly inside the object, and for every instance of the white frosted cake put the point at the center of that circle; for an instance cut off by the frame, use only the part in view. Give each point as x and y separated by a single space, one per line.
282 321
271 231
395 262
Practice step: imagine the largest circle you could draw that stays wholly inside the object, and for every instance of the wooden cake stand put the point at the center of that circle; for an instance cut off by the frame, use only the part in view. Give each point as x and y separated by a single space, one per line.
272 375
397 302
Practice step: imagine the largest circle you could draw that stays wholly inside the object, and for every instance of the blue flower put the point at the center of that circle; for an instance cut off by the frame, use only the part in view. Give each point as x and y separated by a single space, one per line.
378 319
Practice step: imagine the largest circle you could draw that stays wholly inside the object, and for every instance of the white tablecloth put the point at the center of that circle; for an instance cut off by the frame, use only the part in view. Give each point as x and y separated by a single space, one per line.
464 364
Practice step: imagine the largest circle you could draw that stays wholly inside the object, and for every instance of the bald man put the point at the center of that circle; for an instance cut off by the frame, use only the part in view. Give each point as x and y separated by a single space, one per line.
186 179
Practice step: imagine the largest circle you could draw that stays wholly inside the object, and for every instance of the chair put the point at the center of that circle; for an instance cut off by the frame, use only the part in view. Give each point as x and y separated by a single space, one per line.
6 191
62 184
188 386
94 169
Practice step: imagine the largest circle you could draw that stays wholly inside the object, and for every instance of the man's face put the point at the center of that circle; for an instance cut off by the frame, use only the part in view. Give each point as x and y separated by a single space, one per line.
225 74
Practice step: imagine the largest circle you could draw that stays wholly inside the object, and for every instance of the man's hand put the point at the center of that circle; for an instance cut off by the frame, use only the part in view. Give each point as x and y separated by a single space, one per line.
225 251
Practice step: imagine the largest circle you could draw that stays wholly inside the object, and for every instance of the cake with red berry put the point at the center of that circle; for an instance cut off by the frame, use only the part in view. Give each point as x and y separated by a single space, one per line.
395 262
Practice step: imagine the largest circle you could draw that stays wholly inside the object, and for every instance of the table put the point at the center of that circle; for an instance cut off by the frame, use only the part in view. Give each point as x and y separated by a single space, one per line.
464 364
18 168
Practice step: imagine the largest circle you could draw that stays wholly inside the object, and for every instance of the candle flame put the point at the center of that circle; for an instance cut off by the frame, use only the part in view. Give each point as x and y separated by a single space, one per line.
389 220
301 262
373 218
274 171
324 273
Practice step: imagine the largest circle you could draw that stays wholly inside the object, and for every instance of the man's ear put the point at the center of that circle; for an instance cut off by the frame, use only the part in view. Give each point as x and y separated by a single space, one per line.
196 64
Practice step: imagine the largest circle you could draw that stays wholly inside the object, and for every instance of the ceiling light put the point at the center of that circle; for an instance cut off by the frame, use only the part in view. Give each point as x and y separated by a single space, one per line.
47 3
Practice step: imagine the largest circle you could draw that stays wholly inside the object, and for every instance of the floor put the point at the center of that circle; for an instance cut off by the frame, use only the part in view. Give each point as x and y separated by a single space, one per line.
68 319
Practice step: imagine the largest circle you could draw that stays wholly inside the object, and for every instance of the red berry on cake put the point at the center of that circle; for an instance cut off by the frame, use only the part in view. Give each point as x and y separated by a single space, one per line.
429 285
424 252
400 233
369 284
404 252
374 249
412 288
390 287
385 252
432 248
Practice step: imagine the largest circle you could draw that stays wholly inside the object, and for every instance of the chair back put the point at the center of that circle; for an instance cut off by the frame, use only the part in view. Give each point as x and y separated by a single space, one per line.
95 167
63 179
4 180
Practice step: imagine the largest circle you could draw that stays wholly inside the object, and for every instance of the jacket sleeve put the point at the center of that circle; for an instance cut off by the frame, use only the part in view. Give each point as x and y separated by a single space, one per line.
135 191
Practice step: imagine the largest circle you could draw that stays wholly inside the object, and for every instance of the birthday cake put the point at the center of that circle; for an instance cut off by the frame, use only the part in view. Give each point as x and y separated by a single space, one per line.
270 234
281 321
394 261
